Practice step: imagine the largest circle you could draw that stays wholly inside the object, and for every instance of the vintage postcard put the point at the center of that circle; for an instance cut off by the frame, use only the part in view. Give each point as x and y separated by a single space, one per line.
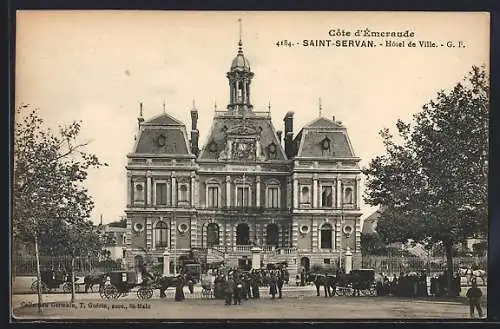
250 165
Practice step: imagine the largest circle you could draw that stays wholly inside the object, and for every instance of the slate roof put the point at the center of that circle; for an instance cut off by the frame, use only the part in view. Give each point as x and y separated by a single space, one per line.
222 126
162 134
313 136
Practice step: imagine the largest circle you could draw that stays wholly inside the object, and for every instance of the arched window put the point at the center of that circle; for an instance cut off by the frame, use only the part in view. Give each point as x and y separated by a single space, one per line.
183 195
212 234
348 195
272 236
326 236
242 234
161 235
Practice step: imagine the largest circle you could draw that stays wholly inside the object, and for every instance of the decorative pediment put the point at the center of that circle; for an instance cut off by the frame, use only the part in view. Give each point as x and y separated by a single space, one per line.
212 181
242 130
272 181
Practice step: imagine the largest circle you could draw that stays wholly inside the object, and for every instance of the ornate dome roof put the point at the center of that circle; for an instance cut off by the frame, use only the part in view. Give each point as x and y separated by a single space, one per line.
240 62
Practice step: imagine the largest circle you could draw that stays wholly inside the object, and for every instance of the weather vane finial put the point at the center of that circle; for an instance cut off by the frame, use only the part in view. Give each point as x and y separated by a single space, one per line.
240 43
140 109
164 106
320 109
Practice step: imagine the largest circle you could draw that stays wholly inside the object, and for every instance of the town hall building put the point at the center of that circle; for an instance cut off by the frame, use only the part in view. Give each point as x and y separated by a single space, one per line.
294 194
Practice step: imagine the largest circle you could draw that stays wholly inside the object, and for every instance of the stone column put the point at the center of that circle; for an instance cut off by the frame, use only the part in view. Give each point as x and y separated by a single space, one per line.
149 233
315 233
295 234
166 262
338 198
358 192
174 190
129 189
295 193
315 199
348 260
192 190
257 191
228 191
149 188
256 258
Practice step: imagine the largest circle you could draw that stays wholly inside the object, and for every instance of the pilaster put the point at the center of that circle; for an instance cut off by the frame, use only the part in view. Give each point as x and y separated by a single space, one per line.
149 233
257 192
295 234
315 199
315 232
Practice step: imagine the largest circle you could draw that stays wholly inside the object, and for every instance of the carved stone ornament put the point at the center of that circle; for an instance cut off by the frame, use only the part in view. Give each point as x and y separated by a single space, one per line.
161 140
243 149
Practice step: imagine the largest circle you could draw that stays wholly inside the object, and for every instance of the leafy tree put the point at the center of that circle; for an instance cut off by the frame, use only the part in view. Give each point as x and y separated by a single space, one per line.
372 244
433 181
50 202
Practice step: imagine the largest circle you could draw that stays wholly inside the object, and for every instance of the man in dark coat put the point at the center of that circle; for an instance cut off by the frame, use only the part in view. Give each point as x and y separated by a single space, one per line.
273 283
238 290
474 295
254 282
179 289
280 281
229 290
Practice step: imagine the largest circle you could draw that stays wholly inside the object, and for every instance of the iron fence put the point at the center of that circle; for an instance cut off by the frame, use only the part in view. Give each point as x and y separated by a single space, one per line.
25 265
397 264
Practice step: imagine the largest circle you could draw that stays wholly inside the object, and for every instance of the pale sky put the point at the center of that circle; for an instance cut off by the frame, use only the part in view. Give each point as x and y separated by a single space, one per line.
97 67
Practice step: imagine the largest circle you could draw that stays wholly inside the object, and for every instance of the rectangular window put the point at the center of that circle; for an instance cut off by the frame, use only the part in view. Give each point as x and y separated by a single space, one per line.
161 194
327 196
213 197
326 261
242 196
273 197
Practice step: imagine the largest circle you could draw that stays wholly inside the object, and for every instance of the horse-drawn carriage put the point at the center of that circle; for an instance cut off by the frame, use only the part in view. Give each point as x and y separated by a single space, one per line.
359 282
122 282
53 279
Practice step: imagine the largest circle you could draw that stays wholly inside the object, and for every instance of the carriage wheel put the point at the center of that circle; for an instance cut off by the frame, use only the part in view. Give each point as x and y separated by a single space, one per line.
364 292
101 291
110 292
145 293
67 287
34 287
373 291
348 291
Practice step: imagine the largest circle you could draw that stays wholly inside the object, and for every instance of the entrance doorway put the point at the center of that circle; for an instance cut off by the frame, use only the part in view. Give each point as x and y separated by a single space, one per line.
245 264
305 263
242 235
272 237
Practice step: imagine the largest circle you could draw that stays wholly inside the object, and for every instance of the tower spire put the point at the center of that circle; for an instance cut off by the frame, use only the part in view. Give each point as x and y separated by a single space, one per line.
240 43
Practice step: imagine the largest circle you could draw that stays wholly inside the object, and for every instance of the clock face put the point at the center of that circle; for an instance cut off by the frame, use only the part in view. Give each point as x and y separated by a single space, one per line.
161 140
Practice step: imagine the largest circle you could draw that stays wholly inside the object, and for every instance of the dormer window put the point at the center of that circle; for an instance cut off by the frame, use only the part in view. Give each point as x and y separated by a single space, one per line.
325 144
161 140
272 150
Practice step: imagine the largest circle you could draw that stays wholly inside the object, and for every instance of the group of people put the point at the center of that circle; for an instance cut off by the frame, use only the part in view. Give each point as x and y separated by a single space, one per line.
234 285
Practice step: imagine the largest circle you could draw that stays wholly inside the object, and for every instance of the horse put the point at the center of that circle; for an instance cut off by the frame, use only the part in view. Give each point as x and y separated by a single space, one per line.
328 282
164 282
93 279
472 274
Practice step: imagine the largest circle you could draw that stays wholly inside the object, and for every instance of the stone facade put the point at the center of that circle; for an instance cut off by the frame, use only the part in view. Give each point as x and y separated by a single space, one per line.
298 197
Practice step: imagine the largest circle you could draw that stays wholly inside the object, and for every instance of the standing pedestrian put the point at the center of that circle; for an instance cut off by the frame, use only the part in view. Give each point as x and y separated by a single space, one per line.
273 286
280 282
229 290
254 282
238 290
179 289
474 295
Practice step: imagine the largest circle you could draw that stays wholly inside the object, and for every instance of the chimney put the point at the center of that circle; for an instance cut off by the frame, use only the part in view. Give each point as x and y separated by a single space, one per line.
279 133
333 118
194 132
289 147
